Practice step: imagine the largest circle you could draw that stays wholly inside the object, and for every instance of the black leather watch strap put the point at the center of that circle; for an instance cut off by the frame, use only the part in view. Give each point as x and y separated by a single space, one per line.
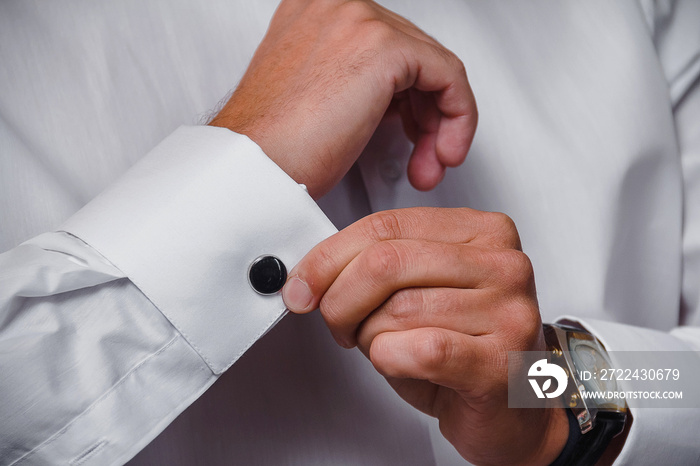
586 449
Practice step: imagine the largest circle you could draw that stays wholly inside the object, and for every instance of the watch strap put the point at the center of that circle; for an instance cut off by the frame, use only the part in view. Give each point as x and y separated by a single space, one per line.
586 449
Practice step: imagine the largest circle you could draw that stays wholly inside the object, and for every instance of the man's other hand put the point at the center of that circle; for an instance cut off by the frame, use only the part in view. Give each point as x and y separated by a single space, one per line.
324 76
436 298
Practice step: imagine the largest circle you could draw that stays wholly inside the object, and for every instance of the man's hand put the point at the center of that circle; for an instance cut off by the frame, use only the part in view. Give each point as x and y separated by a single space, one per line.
324 76
436 298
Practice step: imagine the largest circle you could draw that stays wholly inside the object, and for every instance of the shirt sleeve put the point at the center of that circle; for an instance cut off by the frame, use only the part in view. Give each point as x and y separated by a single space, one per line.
112 326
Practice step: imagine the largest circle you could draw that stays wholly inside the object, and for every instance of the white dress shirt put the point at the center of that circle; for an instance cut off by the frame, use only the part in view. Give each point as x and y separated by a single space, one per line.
115 323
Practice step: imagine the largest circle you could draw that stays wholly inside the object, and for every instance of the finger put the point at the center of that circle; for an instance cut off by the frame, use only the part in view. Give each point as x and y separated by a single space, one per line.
444 109
443 357
472 312
425 170
431 68
315 273
386 267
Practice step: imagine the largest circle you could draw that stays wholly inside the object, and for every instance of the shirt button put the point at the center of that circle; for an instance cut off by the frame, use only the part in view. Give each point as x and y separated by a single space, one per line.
390 170
267 274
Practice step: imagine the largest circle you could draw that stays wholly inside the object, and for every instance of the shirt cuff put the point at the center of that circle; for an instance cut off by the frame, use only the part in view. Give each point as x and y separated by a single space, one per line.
657 435
185 223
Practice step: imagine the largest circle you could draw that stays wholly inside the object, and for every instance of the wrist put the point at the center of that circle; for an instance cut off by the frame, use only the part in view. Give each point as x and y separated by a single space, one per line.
269 146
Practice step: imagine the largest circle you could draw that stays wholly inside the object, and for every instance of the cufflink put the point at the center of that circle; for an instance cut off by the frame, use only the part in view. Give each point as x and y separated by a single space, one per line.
267 275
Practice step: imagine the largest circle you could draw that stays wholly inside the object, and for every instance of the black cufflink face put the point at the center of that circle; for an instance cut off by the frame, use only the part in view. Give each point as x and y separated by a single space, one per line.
267 274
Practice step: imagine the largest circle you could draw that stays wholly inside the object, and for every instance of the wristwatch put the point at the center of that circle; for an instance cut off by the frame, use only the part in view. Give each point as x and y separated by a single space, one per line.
593 420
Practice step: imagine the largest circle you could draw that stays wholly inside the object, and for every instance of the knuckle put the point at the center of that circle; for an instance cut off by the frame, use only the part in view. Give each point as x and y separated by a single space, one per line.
523 314
362 26
383 226
376 31
382 259
376 37
516 268
321 262
449 57
459 65
435 349
405 305
523 325
503 229
499 220
357 11
326 254
331 311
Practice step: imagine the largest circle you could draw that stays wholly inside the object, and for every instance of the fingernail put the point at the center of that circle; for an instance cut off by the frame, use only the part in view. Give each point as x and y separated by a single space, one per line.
345 343
296 295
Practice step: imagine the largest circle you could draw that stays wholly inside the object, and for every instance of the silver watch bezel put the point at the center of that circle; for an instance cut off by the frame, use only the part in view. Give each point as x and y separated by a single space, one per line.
557 338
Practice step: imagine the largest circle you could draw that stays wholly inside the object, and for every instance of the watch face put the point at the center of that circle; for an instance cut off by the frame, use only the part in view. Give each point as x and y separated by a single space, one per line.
593 368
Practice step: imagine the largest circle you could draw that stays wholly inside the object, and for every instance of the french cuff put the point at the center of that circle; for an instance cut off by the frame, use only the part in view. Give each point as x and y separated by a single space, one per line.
187 221
657 435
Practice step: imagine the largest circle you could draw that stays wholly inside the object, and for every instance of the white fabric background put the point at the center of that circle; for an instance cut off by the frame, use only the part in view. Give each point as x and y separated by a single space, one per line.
588 139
